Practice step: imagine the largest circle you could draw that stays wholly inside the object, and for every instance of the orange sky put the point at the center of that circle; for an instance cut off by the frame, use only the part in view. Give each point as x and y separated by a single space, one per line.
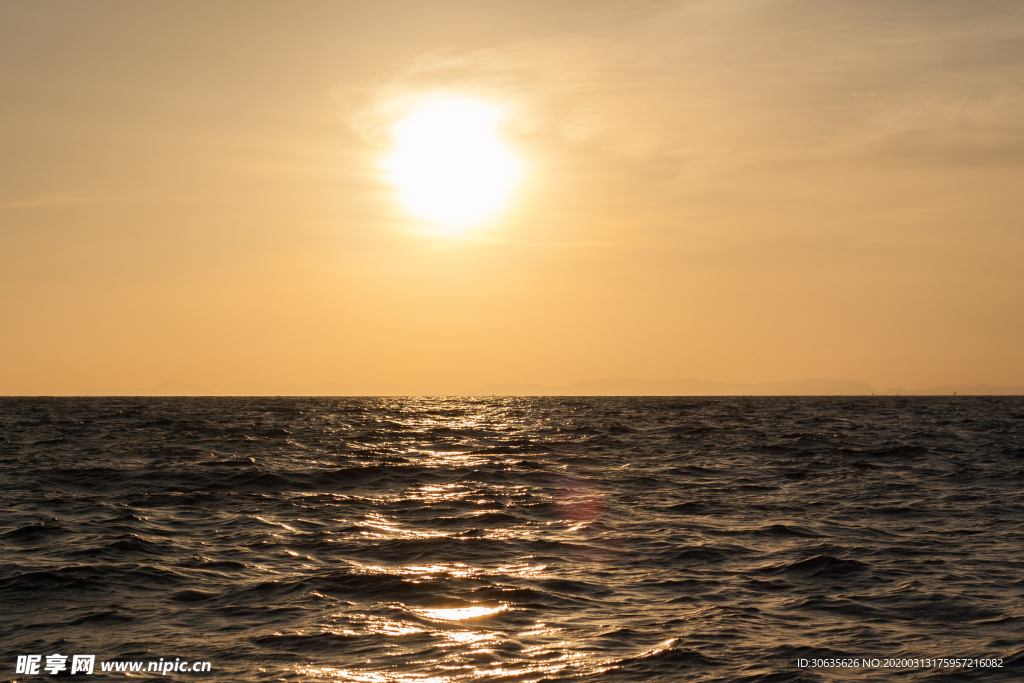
739 191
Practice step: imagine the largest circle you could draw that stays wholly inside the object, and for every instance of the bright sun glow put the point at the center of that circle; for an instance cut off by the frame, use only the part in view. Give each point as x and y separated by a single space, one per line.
449 164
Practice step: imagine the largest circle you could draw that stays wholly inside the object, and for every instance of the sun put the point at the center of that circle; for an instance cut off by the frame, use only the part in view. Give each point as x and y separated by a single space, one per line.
449 163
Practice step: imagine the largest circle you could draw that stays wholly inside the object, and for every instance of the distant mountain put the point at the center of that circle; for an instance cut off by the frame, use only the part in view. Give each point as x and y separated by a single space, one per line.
962 390
105 391
607 386
171 388
627 386
257 388
247 388
516 389
166 388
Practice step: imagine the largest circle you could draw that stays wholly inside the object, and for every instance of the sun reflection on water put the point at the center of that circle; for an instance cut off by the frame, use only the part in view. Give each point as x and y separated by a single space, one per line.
457 570
474 638
460 613
380 625
369 676
392 529
460 620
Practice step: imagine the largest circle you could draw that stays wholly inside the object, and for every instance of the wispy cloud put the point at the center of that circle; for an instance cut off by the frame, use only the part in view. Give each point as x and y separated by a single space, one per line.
727 84
46 201
40 202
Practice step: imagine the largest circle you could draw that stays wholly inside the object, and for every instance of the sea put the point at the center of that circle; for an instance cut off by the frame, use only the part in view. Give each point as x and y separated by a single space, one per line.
440 540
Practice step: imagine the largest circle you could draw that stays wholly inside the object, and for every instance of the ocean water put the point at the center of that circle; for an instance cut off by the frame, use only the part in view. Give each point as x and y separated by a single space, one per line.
434 540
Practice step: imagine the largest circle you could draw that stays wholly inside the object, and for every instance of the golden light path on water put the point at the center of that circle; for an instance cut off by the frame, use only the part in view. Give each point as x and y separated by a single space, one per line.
465 630
524 671
460 613
470 640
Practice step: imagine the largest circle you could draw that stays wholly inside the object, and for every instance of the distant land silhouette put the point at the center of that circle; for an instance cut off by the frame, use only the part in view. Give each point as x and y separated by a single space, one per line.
165 388
607 386
627 386
248 388
962 390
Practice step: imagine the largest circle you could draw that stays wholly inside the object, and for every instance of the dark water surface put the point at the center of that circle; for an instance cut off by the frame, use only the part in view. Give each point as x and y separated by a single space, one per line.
515 539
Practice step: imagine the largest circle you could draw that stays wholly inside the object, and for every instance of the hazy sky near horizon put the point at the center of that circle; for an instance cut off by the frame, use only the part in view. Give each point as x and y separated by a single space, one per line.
743 191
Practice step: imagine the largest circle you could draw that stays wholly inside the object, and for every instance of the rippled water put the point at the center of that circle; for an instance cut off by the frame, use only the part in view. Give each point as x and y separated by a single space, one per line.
515 539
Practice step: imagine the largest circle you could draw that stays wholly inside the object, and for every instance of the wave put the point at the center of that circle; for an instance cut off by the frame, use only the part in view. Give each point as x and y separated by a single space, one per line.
526 539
